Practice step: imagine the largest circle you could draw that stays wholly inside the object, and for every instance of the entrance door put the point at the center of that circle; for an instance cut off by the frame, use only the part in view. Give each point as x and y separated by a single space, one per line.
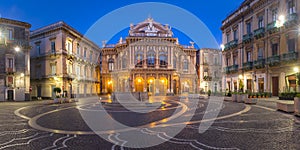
53 93
249 85
275 85
261 84
10 95
39 91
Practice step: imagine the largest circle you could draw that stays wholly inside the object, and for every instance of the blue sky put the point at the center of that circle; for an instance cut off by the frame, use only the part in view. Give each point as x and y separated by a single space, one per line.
82 14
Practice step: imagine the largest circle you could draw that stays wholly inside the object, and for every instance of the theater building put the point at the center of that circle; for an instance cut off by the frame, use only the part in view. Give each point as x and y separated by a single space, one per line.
150 59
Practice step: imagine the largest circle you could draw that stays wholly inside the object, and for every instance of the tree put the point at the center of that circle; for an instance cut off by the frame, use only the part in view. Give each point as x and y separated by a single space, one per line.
57 90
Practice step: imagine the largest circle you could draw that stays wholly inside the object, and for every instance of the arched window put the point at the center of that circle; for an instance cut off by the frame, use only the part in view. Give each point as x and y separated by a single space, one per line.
185 65
139 56
151 58
110 64
163 59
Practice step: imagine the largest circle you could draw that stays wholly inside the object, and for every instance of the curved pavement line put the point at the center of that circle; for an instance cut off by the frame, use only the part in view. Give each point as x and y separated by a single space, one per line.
17 112
33 122
248 108
93 110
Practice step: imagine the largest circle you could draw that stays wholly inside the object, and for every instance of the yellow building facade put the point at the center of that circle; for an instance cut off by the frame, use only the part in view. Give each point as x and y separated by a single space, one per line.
149 60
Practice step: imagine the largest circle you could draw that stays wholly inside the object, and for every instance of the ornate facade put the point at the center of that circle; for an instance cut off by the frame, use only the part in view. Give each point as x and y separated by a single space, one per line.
14 60
210 70
62 57
261 46
149 60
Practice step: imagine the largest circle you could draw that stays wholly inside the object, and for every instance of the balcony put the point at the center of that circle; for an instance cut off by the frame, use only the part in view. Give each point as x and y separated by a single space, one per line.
231 44
247 66
247 38
271 27
207 78
259 33
291 20
274 60
232 69
260 63
289 57
10 70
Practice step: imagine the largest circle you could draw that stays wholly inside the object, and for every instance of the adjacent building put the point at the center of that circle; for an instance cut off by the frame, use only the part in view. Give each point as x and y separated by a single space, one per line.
261 46
14 60
149 60
62 57
210 70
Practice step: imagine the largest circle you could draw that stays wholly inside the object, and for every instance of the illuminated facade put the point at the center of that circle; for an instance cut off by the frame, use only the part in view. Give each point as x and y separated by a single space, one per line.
149 60
261 46
210 70
14 60
62 57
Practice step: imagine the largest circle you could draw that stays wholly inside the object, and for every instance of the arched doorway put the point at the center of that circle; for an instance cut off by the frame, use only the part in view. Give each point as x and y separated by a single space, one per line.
151 85
139 84
161 86
185 86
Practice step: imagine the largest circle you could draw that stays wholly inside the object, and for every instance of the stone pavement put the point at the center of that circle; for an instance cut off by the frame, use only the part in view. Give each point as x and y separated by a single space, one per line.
236 126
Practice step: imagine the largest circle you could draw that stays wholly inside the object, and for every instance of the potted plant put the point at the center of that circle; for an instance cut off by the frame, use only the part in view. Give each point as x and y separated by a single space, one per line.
209 92
297 104
234 96
57 91
258 95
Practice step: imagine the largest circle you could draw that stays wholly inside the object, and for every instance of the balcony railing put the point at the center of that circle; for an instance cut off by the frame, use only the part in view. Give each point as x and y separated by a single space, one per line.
271 27
247 38
291 19
247 66
258 33
274 60
207 78
231 69
260 63
10 70
231 44
290 56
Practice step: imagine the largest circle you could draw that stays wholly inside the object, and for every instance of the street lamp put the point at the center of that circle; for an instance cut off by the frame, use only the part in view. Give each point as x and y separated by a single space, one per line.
17 49
222 47
280 21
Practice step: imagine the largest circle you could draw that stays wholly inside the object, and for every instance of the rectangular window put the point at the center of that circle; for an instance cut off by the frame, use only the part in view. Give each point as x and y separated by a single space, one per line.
110 66
249 57
78 70
260 53
10 63
91 56
78 49
235 35
260 22
69 47
84 52
291 45
228 37
70 68
53 46
274 14
234 60
53 69
10 34
227 61
291 7
248 27
275 49
38 49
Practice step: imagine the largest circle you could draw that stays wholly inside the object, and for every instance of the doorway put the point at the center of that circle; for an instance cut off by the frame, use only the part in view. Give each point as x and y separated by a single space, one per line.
10 95
275 85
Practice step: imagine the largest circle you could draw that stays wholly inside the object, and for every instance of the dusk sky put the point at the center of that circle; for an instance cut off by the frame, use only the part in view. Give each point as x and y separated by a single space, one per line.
83 14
